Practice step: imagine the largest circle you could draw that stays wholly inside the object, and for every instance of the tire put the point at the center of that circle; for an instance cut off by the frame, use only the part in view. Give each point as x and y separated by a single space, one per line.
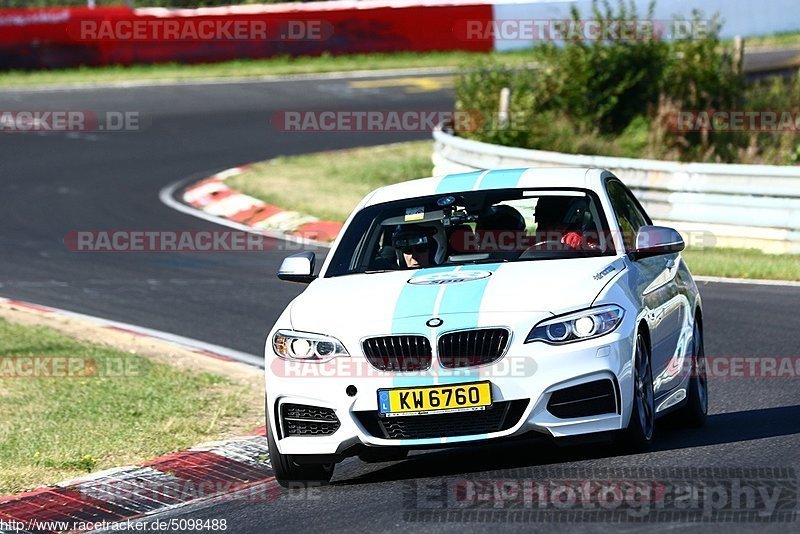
641 428
694 413
290 474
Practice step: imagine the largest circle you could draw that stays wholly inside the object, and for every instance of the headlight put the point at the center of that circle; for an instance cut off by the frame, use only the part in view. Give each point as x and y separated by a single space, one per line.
309 347
577 326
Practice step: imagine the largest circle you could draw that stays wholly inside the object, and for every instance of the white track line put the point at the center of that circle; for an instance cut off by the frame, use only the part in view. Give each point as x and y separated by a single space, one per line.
186 342
166 196
748 281
271 78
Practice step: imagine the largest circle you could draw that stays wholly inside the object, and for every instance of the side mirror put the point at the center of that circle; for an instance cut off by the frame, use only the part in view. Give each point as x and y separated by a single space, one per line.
298 268
655 241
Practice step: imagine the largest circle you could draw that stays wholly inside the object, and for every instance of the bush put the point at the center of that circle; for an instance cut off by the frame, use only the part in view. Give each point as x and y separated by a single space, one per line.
776 94
621 98
701 75
606 86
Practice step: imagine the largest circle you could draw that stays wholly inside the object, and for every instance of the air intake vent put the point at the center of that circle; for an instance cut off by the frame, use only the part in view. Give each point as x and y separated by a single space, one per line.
469 348
585 400
398 353
500 416
300 420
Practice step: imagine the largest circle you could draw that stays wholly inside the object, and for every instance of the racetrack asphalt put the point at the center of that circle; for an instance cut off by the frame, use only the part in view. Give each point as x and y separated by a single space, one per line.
55 183
58 182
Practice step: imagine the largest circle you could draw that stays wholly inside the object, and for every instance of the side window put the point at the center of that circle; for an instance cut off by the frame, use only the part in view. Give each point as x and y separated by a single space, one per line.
638 211
629 216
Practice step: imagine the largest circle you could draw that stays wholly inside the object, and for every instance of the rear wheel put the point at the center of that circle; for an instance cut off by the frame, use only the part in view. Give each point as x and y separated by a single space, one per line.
696 409
641 427
288 472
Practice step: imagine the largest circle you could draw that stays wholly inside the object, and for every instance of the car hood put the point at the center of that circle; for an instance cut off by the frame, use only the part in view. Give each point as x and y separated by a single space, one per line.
383 302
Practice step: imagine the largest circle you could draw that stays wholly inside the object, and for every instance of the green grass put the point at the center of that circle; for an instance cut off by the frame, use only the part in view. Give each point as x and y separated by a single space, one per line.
328 185
742 263
54 428
243 68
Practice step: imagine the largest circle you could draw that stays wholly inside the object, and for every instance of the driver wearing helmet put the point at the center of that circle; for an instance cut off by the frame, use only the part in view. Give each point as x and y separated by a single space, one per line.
500 229
551 215
418 245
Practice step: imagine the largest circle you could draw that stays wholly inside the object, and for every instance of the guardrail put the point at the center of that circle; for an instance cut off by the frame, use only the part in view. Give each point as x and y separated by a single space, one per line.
742 206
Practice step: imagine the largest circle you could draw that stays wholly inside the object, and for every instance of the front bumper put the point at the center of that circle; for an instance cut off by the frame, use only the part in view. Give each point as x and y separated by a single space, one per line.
528 373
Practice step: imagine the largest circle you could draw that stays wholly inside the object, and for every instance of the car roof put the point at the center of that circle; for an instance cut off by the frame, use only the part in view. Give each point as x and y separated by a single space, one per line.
527 178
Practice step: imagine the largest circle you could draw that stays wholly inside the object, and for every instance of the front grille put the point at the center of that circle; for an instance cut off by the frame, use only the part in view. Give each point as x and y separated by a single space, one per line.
472 347
398 353
500 416
592 398
300 420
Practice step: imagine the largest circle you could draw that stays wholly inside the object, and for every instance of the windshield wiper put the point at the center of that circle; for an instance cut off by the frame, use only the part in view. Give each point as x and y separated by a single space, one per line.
477 262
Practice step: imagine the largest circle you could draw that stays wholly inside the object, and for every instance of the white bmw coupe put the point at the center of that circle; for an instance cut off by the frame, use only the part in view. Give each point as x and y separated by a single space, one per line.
483 306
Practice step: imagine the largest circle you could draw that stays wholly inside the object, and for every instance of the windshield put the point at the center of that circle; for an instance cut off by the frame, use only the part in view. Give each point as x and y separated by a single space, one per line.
508 225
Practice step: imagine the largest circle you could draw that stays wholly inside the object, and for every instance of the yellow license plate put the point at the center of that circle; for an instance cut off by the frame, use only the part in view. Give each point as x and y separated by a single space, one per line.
426 400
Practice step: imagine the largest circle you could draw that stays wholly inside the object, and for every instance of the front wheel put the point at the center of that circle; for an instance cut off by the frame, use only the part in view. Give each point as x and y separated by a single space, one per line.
641 427
289 473
696 409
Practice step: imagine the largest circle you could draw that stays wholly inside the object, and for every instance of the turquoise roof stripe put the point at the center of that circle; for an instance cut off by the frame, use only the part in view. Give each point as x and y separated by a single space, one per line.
501 179
458 182
496 179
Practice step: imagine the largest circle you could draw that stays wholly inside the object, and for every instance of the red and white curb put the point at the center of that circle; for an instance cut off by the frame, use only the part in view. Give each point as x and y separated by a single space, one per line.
214 197
235 470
